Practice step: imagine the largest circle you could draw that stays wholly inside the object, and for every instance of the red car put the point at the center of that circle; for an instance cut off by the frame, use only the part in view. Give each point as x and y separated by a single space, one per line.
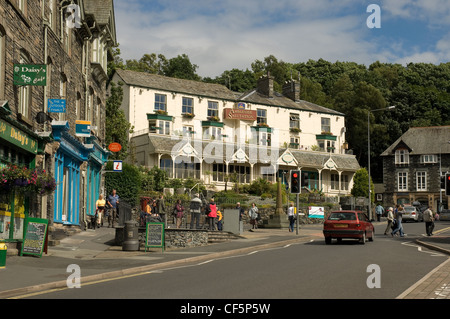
348 224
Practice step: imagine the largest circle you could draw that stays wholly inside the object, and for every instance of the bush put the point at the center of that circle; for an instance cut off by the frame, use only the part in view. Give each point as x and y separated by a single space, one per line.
127 183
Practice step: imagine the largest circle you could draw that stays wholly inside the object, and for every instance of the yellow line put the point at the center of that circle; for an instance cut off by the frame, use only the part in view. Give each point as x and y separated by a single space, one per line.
85 284
441 230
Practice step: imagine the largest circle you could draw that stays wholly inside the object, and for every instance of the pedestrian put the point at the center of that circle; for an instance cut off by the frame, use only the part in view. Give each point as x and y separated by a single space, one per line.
291 217
398 218
195 207
100 210
219 220
390 220
162 208
113 201
380 211
241 210
180 213
253 214
428 218
211 212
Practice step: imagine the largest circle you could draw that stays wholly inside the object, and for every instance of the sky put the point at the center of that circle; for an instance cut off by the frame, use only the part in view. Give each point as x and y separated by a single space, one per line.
222 35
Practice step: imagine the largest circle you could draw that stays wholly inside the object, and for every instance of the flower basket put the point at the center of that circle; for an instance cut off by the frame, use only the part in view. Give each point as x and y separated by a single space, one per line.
23 180
213 118
295 130
161 112
188 115
263 125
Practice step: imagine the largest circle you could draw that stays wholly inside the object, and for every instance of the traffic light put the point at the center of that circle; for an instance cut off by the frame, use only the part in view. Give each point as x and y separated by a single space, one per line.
295 182
442 182
447 184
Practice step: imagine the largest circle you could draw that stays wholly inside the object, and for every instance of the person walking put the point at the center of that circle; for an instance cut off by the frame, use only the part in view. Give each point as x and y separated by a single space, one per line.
379 211
399 227
291 217
211 213
253 214
112 201
428 218
390 220
100 210
196 208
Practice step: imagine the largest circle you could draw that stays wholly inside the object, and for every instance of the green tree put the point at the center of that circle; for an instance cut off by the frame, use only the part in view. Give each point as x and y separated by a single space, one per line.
181 67
361 184
127 183
117 127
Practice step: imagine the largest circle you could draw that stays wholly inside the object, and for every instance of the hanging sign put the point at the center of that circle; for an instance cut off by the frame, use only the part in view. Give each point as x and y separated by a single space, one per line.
57 105
83 128
30 74
115 147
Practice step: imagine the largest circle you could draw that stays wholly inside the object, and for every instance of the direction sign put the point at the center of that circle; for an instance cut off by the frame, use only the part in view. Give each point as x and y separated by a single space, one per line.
57 105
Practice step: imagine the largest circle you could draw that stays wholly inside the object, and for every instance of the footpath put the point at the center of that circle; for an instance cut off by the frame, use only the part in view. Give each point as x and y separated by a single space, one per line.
93 251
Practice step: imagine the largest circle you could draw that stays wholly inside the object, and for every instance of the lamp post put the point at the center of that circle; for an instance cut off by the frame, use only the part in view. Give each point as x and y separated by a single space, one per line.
369 206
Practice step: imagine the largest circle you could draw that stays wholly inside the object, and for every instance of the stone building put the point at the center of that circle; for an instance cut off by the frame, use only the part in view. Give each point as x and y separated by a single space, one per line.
70 43
412 166
205 131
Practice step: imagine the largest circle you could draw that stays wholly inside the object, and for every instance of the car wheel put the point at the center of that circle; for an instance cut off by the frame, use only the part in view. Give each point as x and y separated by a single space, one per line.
363 239
327 240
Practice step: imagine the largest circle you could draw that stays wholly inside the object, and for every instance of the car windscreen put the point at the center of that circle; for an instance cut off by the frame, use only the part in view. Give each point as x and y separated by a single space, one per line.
342 216
410 209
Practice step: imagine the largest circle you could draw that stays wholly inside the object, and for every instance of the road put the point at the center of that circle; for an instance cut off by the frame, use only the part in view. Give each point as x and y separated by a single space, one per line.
309 270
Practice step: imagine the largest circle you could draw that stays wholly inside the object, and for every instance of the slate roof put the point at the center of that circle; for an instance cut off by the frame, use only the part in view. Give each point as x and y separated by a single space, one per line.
216 91
101 9
217 150
423 141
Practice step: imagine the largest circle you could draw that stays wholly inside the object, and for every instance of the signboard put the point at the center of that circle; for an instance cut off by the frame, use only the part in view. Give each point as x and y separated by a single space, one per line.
315 212
154 236
241 105
30 74
35 235
115 147
117 166
239 114
18 137
57 105
83 128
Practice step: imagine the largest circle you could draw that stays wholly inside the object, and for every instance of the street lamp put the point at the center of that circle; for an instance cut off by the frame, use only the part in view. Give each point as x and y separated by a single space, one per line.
369 211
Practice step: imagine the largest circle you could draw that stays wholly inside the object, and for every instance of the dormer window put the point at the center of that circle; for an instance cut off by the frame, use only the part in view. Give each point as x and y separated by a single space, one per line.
402 156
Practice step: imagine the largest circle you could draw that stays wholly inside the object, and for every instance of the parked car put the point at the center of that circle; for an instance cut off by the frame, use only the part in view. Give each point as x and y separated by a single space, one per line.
348 224
412 213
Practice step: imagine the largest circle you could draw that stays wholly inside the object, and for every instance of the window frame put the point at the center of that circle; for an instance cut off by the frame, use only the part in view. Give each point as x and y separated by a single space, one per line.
402 181
187 108
159 103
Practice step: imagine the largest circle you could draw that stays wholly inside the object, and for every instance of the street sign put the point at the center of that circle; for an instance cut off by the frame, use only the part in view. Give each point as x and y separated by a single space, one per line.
57 105
83 128
30 74
117 166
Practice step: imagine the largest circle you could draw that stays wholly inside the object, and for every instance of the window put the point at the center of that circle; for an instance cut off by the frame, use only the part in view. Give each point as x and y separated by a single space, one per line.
325 124
188 131
21 4
402 181
160 102
51 13
264 139
90 105
294 121
427 159
99 52
188 106
78 106
213 109
212 133
261 116
334 181
421 181
295 141
159 127
2 62
24 91
401 156
62 93
327 146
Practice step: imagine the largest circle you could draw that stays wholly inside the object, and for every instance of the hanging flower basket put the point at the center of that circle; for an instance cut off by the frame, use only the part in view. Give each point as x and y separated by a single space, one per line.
23 180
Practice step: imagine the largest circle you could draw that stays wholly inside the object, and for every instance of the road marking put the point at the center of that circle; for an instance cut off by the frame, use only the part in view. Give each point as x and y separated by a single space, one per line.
419 248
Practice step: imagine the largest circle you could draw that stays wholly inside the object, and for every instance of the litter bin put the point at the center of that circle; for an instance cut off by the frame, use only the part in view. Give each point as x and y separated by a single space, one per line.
3 249
131 236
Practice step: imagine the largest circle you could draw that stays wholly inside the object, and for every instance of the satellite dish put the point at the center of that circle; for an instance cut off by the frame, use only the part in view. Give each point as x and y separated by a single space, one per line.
42 117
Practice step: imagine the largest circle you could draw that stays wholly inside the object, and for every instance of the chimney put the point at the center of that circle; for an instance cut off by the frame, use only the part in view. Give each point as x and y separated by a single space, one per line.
265 85
291 89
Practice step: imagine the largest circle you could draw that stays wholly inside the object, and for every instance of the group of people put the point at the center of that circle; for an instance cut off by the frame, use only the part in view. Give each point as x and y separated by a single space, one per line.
155 210
211 213
106 209
394 218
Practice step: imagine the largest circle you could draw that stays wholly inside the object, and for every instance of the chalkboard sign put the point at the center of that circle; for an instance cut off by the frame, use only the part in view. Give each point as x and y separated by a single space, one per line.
154 237
34 238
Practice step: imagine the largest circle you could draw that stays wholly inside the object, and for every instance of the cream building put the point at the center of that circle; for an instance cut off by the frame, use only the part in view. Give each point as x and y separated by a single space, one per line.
205 131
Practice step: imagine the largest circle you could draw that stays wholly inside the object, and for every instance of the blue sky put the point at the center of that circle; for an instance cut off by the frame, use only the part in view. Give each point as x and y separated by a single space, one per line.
221 35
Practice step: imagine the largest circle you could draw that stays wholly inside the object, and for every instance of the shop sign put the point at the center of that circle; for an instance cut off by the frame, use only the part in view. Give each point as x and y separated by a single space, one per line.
18 137
240 114
83 128
57 105
115 147
30 74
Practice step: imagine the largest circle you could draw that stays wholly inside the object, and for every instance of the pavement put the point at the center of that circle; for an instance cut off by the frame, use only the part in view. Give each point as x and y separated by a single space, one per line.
94 252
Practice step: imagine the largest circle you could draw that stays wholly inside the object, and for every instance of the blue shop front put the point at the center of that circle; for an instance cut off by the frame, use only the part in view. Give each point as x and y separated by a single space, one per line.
69 160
